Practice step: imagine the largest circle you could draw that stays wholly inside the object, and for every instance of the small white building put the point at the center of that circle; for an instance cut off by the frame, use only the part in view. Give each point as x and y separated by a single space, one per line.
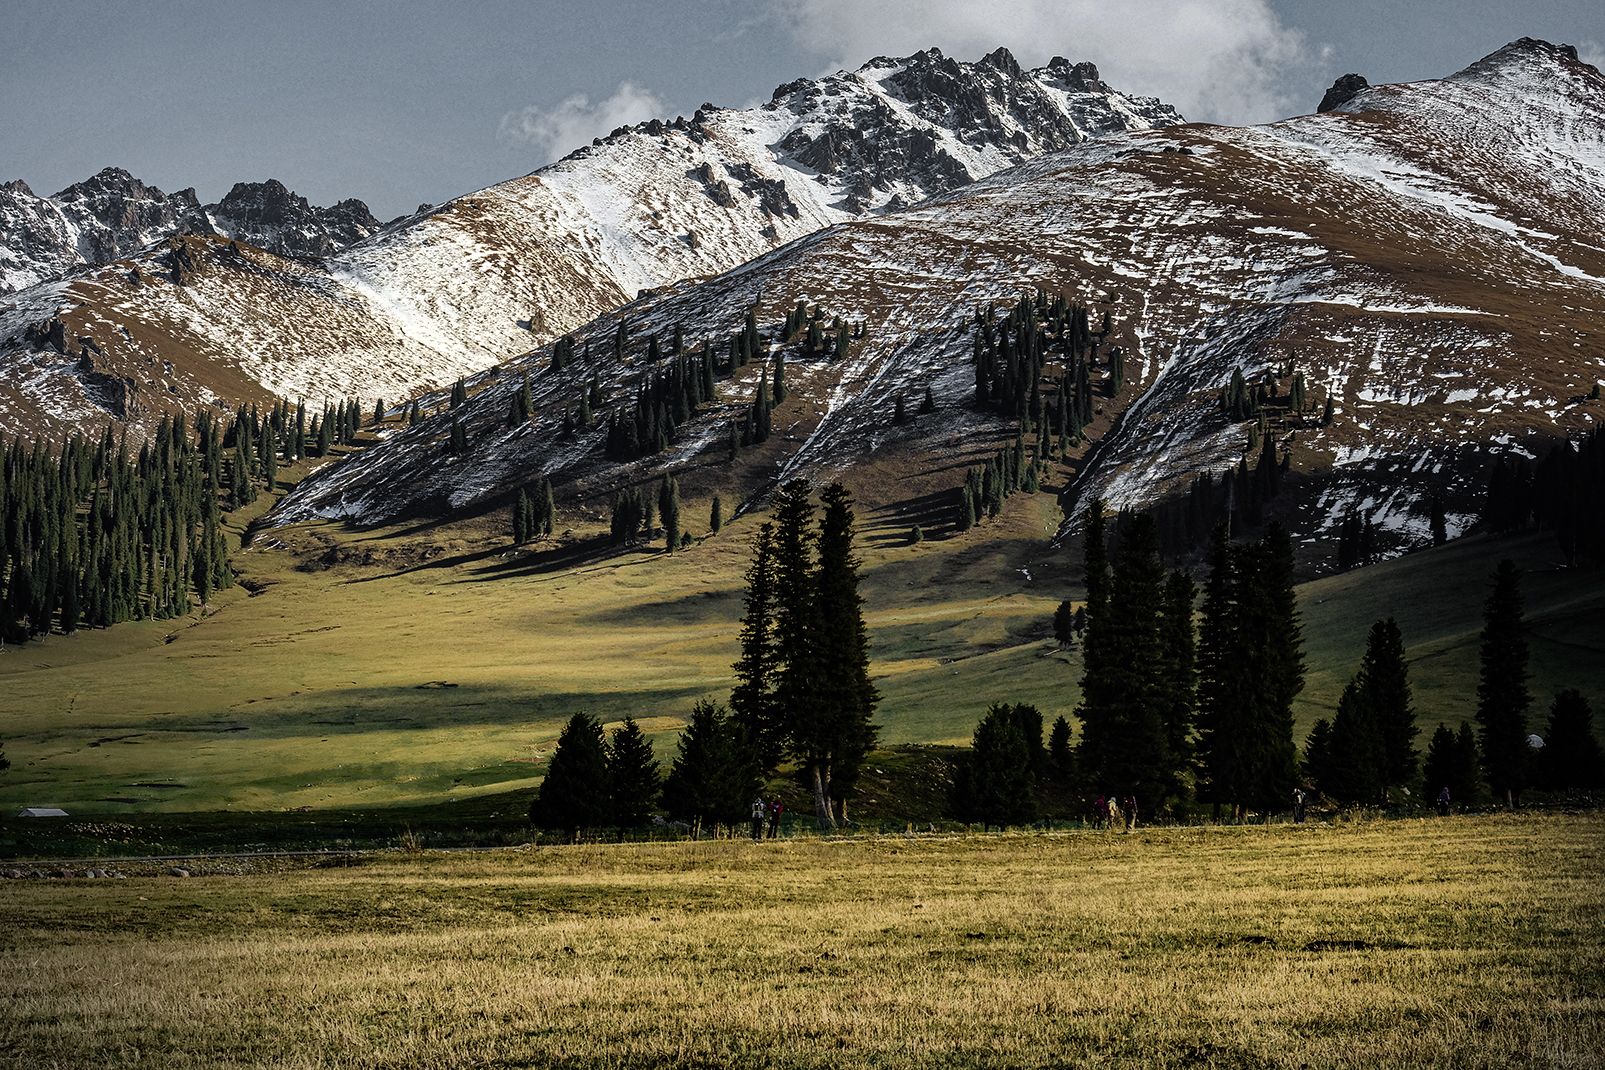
41 811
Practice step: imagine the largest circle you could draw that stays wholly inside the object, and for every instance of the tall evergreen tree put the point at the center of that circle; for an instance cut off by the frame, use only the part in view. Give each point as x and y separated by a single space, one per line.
1502 696
997 785
1439 770
574 795
846 699
632 772
1355 771
753 700
715 775
1571 759
716 515
669 509
1221 710
1385 687
1061 756
1178 665
1124 743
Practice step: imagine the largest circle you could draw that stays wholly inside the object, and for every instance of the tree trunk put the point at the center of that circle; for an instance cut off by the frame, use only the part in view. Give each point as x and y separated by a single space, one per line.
822 808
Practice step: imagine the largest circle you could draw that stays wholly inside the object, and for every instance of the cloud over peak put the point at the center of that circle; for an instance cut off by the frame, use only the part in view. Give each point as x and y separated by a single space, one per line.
574 121
1215 60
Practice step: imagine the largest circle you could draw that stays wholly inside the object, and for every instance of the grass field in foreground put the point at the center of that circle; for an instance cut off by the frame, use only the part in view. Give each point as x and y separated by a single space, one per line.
1463 942
426 664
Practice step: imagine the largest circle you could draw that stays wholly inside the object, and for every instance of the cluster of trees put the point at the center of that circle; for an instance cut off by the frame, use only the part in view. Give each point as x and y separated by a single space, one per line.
1559 493
1368 748
802 693
534 512
595 782
1011 354
808 325
636 511
1237 498
1176 708
986 488
94 536
1240 401
802 682
663 404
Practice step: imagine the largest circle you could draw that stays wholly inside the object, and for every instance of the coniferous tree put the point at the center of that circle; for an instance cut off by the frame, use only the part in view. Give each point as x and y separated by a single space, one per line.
1124 742
753 700
459 393
1385 688
574 795
378 412
1318 753
780 378
715 774
1064 625
1356 762
716 515
842 730
1179 666
1571 759
632 772
546 510
997 785
1467 785
1061 756
669 509
521 512
1502 696
1440 524
1439 769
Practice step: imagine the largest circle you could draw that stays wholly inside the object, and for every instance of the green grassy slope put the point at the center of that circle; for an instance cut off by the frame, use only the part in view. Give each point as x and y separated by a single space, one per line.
423 664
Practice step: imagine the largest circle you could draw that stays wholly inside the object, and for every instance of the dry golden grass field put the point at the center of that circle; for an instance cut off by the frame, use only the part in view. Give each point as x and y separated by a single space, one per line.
1460 942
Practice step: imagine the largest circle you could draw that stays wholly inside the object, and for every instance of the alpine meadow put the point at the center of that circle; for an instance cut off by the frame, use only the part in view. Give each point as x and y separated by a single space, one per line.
947 563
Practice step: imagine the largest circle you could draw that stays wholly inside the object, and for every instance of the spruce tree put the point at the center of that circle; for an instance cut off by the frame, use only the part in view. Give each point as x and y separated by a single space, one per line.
1124 741
1064 625
1571 759
846 699
521 518
574 795
752 701
1502 696
669 509
997 784
1439 770
1178 645
795 635
1467 785
1355 773
1385 688
715 774
632 776
1061 757
716 515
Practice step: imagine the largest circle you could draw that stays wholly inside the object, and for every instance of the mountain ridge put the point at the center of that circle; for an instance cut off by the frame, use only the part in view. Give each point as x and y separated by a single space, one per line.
457 287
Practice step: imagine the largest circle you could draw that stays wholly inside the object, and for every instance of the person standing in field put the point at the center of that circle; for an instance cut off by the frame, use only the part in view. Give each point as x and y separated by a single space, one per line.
1129 804
1114 814
1100 812
759 812
776 808
1443 801
1298 806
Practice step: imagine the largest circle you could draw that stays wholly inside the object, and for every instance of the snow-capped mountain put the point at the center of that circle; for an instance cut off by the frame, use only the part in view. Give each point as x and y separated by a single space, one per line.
112 215
457 288
1428 255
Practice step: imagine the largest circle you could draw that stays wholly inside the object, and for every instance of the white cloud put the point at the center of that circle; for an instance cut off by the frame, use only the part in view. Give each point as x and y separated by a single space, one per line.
574 121
1216 60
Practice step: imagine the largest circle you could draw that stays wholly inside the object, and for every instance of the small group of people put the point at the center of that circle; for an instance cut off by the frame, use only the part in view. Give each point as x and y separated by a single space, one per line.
1111 813
766 814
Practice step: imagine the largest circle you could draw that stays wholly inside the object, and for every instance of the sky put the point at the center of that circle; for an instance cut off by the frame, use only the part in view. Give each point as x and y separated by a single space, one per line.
407 102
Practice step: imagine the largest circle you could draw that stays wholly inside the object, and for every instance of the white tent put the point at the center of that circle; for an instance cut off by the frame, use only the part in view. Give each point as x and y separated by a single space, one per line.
41 811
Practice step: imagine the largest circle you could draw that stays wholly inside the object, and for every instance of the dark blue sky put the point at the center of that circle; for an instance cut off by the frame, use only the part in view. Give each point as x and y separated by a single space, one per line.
404 102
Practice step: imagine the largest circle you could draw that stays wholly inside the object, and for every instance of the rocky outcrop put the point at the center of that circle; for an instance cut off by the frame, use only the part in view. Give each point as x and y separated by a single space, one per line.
271 216
113 215
1343 90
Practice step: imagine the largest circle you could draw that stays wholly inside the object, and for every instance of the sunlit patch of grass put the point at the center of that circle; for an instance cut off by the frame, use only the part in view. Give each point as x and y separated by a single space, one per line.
1459 942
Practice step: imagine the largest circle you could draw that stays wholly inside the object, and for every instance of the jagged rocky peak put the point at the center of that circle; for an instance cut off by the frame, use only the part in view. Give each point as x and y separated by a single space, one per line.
1342 91
1525 57
272 216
